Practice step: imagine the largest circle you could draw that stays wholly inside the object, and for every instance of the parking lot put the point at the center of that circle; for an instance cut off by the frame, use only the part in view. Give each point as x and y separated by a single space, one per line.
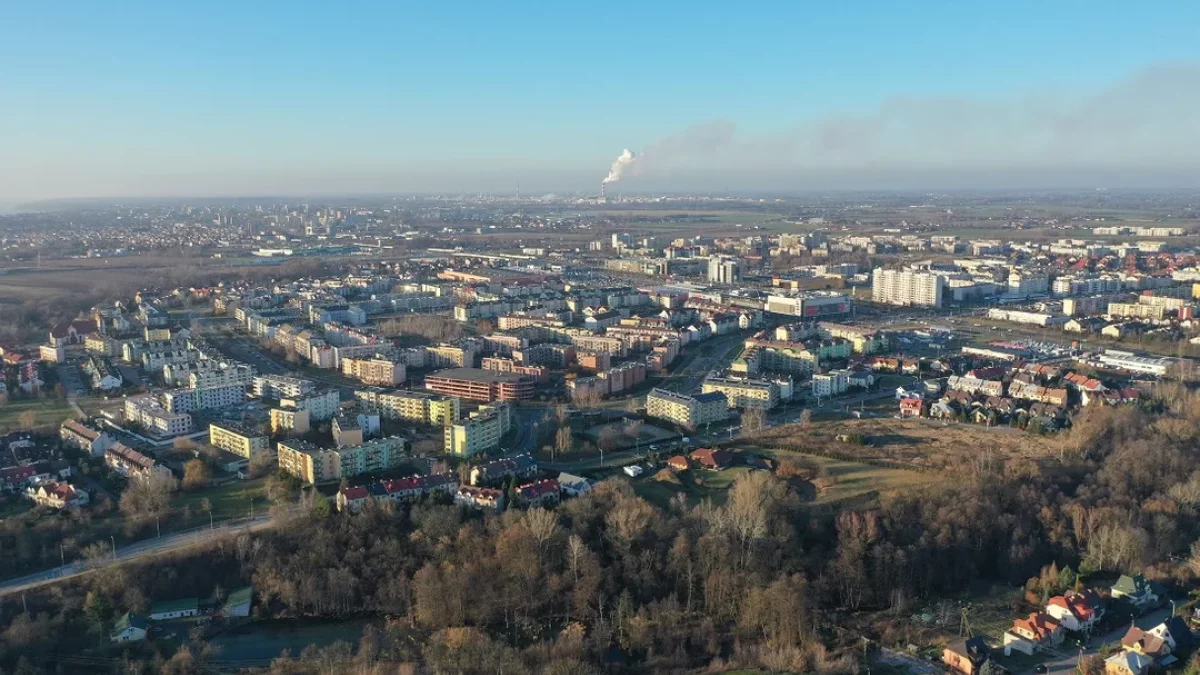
72 380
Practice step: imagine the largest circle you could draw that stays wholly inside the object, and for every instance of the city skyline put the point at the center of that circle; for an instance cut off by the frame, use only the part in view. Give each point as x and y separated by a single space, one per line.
155 101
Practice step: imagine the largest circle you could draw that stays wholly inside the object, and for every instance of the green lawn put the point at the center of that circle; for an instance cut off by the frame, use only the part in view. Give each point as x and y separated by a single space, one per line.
231 500
49 412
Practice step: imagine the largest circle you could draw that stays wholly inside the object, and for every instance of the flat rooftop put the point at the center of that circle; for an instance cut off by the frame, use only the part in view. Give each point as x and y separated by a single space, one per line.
478 375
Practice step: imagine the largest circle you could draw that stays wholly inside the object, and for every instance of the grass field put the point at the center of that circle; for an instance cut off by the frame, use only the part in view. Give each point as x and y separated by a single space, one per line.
854 479
924 444
231 500
50 412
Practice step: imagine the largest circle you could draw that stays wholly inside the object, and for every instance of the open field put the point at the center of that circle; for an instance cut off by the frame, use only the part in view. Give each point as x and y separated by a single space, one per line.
922 444
49 411
696 484
231 500
854 479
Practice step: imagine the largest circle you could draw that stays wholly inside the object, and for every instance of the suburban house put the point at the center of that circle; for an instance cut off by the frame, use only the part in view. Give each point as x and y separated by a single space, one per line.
572 485
129 628
521 466
13 478
57 495
966 656
1038 631
1126 663
1137 591
912 407
1176 633
402 490
1076 611
679 463
712 459
174 609
479 497
539 493
1151 646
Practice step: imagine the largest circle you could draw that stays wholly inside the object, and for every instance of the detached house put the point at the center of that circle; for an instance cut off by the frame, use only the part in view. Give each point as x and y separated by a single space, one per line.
1137 591
129 628
1076 611
540 493
1126 663
1151 646
966 656
1038 631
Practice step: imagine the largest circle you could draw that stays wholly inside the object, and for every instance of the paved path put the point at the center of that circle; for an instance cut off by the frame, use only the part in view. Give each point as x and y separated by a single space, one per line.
136 551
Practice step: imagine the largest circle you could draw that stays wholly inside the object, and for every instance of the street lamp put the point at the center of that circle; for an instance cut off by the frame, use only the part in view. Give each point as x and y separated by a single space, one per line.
113 539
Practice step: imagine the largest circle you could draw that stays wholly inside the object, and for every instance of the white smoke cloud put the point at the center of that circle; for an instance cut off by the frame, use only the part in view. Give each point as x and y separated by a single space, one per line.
1144 124
620 166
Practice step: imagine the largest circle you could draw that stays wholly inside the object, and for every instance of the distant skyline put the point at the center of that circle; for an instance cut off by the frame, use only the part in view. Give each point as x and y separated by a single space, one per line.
144 99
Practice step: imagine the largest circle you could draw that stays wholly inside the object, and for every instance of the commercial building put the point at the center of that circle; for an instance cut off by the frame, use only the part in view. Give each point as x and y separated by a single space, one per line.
313 464
481 432
420 407
687 411
477 384
907 287
811 305
238 439
1151 365
745 393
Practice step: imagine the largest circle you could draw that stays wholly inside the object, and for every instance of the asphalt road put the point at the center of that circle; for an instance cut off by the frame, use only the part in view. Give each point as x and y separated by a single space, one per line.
136 551
1070 655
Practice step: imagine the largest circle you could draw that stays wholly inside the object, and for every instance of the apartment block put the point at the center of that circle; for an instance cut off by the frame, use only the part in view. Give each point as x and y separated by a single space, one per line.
313 464
745 393
481 432
907 287
238 439
321 405
376 370
191 400
279 386
687 411
420 407
289 421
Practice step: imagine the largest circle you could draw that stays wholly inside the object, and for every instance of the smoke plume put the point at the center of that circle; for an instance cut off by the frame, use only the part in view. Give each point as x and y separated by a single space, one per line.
620 166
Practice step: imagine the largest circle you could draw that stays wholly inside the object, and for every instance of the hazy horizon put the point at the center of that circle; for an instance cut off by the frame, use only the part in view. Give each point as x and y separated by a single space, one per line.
166 102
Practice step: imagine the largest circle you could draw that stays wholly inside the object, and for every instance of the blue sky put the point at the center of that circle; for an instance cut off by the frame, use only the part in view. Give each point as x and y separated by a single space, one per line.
154 98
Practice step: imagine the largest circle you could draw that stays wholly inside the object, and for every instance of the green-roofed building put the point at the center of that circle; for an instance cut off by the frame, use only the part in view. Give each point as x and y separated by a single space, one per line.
130 628
174 609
